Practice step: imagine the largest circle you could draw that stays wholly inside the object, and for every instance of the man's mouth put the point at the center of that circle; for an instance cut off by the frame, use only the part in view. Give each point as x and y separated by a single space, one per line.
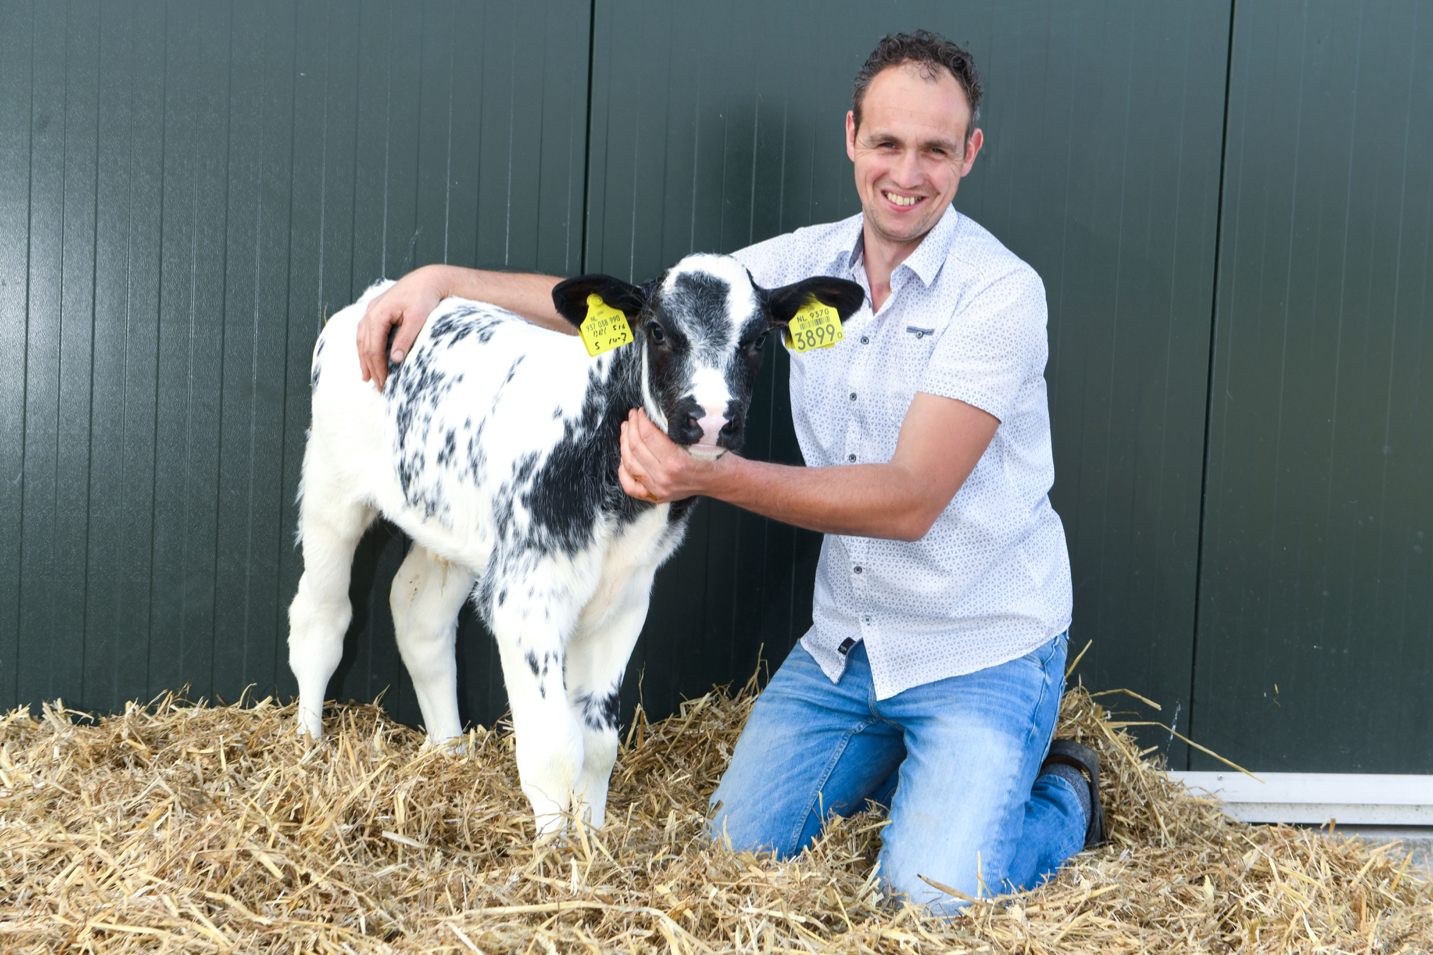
902 200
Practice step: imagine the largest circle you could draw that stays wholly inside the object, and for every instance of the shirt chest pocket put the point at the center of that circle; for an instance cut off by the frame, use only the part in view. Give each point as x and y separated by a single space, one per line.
916 345
889 383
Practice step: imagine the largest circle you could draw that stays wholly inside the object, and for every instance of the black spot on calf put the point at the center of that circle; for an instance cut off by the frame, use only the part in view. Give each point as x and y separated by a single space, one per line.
600 713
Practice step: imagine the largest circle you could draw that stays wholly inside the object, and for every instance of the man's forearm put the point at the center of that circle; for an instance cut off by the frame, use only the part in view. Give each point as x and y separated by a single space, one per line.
861 500
408 303
527 294
941 441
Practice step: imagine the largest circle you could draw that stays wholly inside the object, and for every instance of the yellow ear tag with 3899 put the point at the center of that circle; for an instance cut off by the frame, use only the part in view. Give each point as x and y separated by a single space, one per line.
604 328
814 326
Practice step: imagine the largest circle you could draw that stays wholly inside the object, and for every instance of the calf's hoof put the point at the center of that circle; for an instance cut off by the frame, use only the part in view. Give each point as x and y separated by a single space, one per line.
310 725
454 746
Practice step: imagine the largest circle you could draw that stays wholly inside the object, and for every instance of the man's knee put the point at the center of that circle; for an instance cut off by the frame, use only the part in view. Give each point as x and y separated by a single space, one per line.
745 822
926 874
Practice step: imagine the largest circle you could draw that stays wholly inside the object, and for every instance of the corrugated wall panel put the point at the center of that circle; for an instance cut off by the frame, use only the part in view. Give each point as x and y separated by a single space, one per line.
198 54
249 638
188 190
1317 581
1101 168
320 236
64 101
127 237
1120 222
16 78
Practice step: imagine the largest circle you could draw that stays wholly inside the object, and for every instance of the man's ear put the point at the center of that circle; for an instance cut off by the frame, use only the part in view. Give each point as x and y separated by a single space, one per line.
842 295
570 297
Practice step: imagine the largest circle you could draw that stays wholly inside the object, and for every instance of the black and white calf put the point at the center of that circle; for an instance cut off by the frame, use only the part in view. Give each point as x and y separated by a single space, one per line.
495 446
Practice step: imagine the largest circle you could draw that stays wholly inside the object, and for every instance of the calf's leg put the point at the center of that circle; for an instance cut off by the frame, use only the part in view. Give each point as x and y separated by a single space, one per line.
531 632
596 661
426 596
320 612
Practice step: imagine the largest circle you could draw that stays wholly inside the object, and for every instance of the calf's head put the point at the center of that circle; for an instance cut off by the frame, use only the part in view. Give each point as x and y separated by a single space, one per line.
699 328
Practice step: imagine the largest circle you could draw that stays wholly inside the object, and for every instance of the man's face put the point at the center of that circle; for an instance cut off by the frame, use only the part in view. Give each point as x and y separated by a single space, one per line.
910 151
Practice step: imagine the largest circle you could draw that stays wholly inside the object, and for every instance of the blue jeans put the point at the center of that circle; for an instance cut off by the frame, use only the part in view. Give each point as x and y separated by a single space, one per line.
955 761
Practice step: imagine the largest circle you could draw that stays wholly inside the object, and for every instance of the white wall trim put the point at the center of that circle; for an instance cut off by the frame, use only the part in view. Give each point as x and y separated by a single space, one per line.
1348 798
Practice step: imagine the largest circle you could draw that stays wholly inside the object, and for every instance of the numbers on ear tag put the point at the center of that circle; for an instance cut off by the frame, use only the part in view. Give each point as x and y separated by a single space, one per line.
814 326
604 328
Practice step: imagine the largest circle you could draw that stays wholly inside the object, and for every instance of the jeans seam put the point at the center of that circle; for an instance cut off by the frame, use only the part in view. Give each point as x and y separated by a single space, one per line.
1035 712
791 846
1044 689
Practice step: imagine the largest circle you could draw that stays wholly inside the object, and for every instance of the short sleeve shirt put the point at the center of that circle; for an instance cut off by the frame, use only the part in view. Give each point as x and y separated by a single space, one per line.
966 320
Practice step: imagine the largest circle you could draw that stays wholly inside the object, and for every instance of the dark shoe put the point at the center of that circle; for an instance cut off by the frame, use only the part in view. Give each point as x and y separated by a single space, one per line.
1087 761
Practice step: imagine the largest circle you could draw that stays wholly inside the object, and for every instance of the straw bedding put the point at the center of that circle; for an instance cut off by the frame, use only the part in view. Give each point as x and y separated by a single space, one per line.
196 828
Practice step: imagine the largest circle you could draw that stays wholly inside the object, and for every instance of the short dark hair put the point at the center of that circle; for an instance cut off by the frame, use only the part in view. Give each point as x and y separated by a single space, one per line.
932 52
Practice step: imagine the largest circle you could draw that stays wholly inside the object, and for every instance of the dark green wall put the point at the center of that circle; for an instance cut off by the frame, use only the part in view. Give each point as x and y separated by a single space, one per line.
1316 598
1234 194
186 191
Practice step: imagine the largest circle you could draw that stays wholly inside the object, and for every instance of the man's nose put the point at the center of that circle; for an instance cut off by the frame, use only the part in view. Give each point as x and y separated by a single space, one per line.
907 172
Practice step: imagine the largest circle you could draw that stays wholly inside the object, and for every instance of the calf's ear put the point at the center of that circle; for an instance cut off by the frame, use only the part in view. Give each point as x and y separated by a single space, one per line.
570 296
842 295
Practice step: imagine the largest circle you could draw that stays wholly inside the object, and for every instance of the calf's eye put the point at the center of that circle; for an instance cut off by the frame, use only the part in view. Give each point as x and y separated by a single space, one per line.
656 332
760 342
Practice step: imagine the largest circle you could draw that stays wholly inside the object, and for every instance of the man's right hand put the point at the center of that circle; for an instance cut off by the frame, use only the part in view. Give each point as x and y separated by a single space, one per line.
410 301
407 304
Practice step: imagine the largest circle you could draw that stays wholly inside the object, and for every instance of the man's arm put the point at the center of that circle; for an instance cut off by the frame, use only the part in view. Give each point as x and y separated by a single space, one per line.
940 442
410 301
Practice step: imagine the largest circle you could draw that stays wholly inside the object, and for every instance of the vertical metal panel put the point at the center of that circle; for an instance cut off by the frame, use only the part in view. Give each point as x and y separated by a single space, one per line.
1103 172
122 436
1316 594
248 635
198 53
57 400
192 188
1101 168
323 231
484 167
16 80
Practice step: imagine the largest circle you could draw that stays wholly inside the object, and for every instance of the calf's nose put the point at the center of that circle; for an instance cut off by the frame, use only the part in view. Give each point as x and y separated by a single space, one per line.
714 423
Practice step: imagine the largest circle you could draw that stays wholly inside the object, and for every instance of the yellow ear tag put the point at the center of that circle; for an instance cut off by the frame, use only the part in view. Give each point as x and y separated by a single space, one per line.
604 328
814 326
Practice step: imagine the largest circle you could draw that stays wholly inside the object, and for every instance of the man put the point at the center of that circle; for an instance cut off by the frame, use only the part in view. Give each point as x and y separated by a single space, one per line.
931 678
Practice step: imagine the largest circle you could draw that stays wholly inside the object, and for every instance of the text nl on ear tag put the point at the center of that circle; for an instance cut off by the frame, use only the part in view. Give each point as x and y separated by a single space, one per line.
814 326
604 328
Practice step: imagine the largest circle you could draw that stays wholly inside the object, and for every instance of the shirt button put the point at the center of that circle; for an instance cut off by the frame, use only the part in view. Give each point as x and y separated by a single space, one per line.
851 458
858 569
853 396
920 335
865 340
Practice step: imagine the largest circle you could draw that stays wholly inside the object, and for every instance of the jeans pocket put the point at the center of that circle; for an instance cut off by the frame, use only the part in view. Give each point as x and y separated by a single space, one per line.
1045 653
1059 651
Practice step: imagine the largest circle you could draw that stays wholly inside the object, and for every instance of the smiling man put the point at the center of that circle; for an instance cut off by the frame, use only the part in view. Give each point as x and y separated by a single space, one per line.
930 680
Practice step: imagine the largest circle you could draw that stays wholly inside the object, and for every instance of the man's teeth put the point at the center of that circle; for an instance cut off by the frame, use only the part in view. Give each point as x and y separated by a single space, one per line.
903 200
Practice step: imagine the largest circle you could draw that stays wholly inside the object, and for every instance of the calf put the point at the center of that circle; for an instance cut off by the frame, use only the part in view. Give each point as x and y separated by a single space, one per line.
495 448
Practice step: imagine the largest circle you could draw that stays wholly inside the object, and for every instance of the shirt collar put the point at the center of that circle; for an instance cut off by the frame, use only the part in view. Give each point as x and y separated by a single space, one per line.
925 261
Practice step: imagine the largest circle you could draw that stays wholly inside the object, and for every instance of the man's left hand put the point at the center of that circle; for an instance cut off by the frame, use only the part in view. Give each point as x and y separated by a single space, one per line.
656 468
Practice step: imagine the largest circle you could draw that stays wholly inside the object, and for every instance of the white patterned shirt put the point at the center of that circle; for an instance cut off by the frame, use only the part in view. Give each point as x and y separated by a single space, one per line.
965 319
